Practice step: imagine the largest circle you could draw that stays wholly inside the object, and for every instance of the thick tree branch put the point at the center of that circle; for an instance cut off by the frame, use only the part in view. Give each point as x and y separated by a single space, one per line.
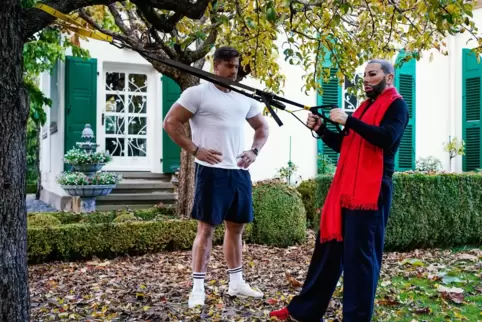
84 15
162 23
34 20
119 21
206 45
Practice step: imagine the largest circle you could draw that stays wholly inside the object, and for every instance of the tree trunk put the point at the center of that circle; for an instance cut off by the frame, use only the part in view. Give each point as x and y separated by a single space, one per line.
185 191
14 293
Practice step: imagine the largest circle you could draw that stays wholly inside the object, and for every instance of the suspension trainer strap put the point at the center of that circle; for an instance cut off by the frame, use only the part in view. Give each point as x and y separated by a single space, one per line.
268 99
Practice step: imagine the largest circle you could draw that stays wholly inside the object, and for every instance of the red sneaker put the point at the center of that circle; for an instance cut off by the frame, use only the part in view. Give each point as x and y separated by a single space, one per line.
282 314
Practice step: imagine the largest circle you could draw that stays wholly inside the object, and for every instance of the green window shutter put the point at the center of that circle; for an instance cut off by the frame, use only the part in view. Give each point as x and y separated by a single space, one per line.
171 152
471 111
405 82
80 98
332 94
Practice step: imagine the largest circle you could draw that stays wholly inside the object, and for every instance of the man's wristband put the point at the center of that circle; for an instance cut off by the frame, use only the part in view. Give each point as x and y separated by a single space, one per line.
195 151
256 151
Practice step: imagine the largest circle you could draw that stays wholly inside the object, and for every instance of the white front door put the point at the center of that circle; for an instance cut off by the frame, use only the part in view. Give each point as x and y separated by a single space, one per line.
126 104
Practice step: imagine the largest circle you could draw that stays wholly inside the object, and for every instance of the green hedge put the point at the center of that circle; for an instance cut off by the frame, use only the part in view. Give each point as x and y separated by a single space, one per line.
279 214
81 241
429 210
70 236
307 189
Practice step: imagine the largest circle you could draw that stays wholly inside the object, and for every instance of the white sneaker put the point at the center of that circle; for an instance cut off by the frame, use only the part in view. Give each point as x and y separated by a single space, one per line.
242 289
196 297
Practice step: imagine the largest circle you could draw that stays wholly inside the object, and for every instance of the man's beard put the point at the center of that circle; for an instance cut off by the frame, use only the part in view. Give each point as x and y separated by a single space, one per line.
377 89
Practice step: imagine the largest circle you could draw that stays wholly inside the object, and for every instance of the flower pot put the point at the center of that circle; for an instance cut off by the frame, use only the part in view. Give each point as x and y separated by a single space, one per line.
88 169
88 191
87 194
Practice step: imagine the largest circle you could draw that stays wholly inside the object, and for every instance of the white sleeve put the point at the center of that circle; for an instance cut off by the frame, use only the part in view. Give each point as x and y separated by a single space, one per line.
190 99
254 109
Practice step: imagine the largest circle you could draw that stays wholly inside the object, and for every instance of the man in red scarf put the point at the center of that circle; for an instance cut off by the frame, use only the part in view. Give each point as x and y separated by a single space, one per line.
356 210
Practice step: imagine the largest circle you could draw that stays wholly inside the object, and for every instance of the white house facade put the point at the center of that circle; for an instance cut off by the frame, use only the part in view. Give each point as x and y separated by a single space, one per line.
125 99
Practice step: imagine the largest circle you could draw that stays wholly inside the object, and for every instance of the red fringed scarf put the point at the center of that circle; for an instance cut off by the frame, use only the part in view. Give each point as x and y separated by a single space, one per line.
358 176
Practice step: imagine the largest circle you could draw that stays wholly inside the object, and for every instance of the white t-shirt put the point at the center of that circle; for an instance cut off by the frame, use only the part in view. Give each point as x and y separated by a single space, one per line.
219 120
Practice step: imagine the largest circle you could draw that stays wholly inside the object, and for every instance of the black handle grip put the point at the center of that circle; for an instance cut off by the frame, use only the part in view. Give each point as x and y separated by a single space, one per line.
316 110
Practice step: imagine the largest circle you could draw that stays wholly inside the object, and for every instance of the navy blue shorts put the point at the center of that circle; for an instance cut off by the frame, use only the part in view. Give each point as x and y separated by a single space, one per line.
222 194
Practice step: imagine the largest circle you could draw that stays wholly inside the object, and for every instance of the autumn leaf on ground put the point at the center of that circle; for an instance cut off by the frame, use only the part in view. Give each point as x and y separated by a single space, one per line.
455 294
292 281
155 287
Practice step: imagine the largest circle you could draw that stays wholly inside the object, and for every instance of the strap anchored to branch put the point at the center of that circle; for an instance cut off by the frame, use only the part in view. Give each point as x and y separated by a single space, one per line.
269 99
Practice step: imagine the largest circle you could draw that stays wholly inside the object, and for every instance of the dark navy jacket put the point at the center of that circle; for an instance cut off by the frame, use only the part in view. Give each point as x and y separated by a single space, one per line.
387 136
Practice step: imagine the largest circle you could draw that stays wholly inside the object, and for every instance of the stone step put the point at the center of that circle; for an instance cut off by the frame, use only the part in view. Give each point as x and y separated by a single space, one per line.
151 198
144 175
108 207
142 186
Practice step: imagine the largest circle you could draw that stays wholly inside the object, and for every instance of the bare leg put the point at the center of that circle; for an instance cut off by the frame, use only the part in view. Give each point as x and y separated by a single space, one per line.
201 249
233 244
233 254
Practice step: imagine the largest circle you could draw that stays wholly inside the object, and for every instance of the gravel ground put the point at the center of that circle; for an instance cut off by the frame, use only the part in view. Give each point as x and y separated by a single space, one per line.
37 205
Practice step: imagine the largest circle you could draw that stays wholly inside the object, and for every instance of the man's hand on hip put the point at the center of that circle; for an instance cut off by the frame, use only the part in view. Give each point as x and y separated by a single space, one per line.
246 159
210 156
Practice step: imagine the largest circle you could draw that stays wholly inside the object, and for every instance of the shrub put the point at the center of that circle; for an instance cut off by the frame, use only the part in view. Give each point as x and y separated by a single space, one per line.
279 214
307 190
106 240
42 220
430 210
128 217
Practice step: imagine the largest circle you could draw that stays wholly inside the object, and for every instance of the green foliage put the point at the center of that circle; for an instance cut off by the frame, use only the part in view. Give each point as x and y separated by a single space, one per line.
325 164
279 214
454 147
81 241
287 173
307 190
430 210
81 179
77 156
125 218
32 145
42 220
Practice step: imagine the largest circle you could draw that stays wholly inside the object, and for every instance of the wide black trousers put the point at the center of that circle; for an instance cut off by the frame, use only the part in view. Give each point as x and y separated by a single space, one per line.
358 256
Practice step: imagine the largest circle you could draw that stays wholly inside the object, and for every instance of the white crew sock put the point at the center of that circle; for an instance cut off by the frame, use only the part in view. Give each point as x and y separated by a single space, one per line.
236 274
198 281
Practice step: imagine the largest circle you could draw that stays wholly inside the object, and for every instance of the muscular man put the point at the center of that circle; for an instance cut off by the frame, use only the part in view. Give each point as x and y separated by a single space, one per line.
217 118
356 210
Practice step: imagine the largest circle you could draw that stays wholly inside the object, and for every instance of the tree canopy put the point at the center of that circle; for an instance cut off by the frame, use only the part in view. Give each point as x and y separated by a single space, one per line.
354 31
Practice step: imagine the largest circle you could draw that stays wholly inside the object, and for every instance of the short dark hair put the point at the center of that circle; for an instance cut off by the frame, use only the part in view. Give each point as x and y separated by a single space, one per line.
387 67
225 53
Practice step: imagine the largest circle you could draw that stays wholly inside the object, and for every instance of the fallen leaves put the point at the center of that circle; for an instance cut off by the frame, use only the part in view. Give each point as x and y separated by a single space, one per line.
455 294
419 286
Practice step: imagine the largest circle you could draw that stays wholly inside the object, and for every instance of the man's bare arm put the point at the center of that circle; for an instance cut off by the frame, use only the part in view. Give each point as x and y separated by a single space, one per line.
174 126
261 130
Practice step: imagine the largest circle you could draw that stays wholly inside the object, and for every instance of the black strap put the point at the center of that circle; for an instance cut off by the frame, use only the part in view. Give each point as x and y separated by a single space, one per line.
261 96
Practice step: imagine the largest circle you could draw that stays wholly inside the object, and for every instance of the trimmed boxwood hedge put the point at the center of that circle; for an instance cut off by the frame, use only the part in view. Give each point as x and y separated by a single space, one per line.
107 234
279 214
428 210
107 240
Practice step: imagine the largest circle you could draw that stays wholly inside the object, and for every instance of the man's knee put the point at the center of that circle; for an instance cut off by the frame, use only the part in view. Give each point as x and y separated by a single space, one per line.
205 232
234 228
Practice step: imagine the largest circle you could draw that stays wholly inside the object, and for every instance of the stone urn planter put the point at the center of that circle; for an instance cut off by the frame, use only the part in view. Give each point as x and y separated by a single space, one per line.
88 194
85 178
